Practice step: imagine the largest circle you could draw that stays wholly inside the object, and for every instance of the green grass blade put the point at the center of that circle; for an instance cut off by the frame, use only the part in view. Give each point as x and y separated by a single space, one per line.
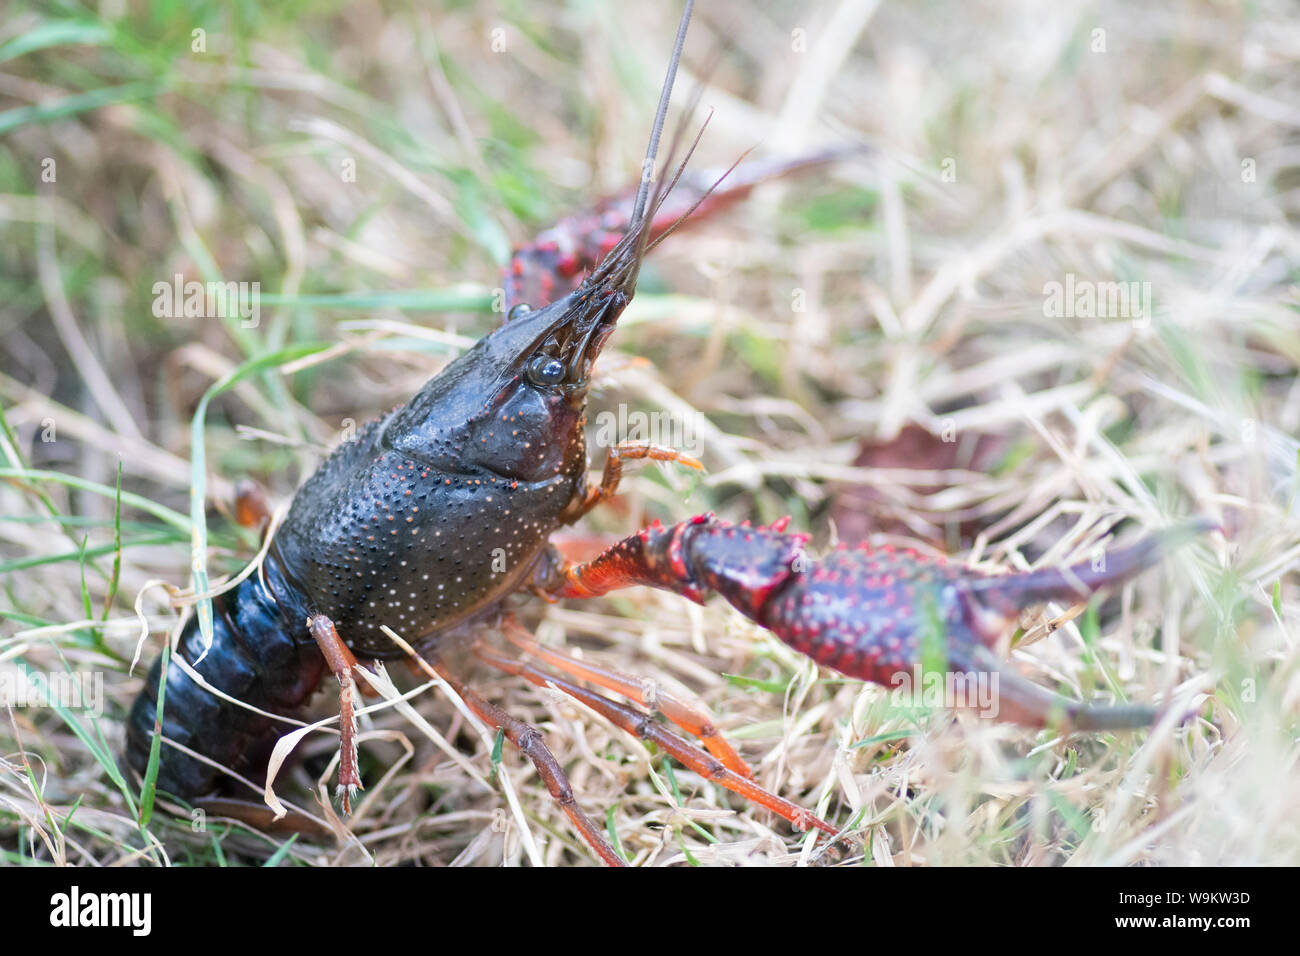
56 33
612 830
163 513
10 120
283 851
423 300
116 576
150 785
20 564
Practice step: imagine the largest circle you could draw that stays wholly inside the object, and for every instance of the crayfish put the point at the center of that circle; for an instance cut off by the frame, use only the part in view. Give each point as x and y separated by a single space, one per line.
401 527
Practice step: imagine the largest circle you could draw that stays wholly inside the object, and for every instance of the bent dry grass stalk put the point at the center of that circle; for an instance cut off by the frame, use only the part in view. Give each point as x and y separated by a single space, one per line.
908 290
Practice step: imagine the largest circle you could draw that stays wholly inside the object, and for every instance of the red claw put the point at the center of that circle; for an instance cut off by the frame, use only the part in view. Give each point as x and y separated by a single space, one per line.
868 612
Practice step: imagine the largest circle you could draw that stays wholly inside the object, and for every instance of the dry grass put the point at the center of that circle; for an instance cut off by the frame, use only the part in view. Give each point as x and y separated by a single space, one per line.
1011 153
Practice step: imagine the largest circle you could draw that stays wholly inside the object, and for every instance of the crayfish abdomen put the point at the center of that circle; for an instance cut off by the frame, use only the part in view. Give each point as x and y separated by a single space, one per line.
258 655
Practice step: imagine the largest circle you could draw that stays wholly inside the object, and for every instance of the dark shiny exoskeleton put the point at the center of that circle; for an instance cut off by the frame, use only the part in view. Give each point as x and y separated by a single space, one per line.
428 517
257 655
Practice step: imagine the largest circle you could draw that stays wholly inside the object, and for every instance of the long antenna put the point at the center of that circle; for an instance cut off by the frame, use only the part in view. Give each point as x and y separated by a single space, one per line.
652 151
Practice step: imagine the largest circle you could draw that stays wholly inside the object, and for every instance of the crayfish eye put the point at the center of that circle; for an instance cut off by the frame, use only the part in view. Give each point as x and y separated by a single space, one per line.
518 310
546 370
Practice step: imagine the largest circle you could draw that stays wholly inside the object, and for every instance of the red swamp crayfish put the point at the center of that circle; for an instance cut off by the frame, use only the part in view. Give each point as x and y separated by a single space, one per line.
490 457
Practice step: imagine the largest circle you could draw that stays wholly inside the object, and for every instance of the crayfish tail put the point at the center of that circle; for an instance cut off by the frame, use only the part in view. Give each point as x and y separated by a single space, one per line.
257 666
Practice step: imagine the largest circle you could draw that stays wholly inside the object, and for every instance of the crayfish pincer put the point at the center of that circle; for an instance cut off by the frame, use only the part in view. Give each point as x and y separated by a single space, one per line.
398 530
866 612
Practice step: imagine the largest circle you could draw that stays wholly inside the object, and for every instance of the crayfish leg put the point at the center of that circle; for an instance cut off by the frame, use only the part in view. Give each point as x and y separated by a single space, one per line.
690 718
528 740
252 507
643 726
612 473
341 662
650 557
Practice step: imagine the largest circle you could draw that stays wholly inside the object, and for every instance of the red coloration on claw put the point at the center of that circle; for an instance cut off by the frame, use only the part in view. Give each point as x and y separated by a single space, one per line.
866 612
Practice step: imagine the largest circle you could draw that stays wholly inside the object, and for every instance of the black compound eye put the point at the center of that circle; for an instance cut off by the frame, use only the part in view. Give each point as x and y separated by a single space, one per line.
518 310
546 370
